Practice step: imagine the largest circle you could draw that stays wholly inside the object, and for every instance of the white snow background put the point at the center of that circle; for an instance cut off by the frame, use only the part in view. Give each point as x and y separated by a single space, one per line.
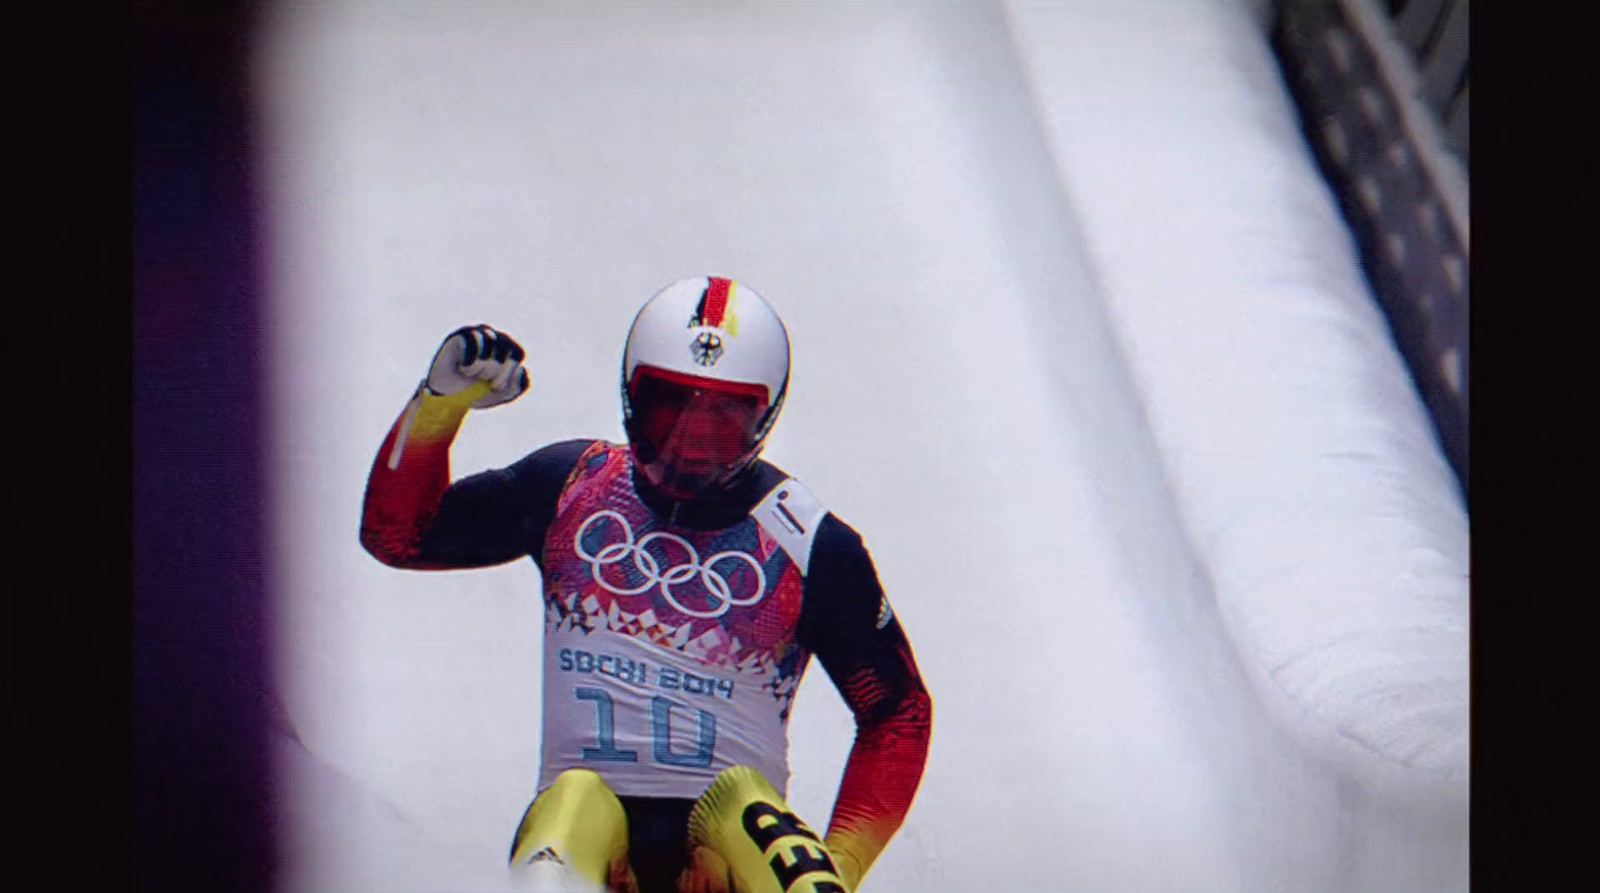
1080 346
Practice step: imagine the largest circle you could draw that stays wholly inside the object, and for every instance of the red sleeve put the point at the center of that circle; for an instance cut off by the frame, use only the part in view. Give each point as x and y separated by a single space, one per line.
885 765
408 478
848 625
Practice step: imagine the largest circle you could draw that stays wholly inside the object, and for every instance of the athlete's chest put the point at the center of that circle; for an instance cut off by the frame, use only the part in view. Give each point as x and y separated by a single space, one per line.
728 597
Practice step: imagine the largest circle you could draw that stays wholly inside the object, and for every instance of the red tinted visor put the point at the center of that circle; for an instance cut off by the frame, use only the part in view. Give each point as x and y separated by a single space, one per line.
691 432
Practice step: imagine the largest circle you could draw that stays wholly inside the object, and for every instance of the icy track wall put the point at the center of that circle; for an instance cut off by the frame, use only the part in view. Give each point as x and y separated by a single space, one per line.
1081 347
1307 474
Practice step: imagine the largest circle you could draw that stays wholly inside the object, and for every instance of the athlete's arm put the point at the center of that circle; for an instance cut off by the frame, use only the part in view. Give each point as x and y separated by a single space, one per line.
846 623
412 516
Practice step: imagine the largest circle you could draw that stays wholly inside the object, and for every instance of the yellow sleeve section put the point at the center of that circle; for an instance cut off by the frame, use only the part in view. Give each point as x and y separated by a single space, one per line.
439 415
433 417
854 854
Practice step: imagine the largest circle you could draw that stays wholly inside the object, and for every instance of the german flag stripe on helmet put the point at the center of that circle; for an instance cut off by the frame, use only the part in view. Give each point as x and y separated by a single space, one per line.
714 302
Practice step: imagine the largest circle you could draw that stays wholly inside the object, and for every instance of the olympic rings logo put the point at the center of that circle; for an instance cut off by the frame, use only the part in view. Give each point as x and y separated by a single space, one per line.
715 583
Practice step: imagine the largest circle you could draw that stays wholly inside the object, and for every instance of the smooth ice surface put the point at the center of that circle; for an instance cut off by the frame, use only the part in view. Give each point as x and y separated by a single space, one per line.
882 173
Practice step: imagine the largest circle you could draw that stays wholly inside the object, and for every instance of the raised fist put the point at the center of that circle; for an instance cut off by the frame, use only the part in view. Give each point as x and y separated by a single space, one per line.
478 353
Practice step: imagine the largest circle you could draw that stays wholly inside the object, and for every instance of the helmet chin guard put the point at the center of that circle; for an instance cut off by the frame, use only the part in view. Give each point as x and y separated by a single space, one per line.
704 373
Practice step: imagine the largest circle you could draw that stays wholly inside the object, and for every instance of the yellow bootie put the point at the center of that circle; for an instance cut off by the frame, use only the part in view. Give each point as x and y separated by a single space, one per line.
575 829
743 838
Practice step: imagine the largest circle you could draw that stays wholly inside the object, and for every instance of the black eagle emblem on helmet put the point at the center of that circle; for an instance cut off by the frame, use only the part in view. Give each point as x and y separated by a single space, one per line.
706 349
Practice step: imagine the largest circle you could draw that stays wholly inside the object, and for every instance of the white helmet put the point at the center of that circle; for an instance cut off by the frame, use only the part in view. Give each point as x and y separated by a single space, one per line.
704 373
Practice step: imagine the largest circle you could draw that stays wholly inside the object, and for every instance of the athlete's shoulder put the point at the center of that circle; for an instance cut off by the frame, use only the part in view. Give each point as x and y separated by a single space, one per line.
845 608
790 513
555 460
569 448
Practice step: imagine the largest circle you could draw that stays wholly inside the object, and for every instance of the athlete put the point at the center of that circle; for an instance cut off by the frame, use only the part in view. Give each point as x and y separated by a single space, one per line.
687 583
